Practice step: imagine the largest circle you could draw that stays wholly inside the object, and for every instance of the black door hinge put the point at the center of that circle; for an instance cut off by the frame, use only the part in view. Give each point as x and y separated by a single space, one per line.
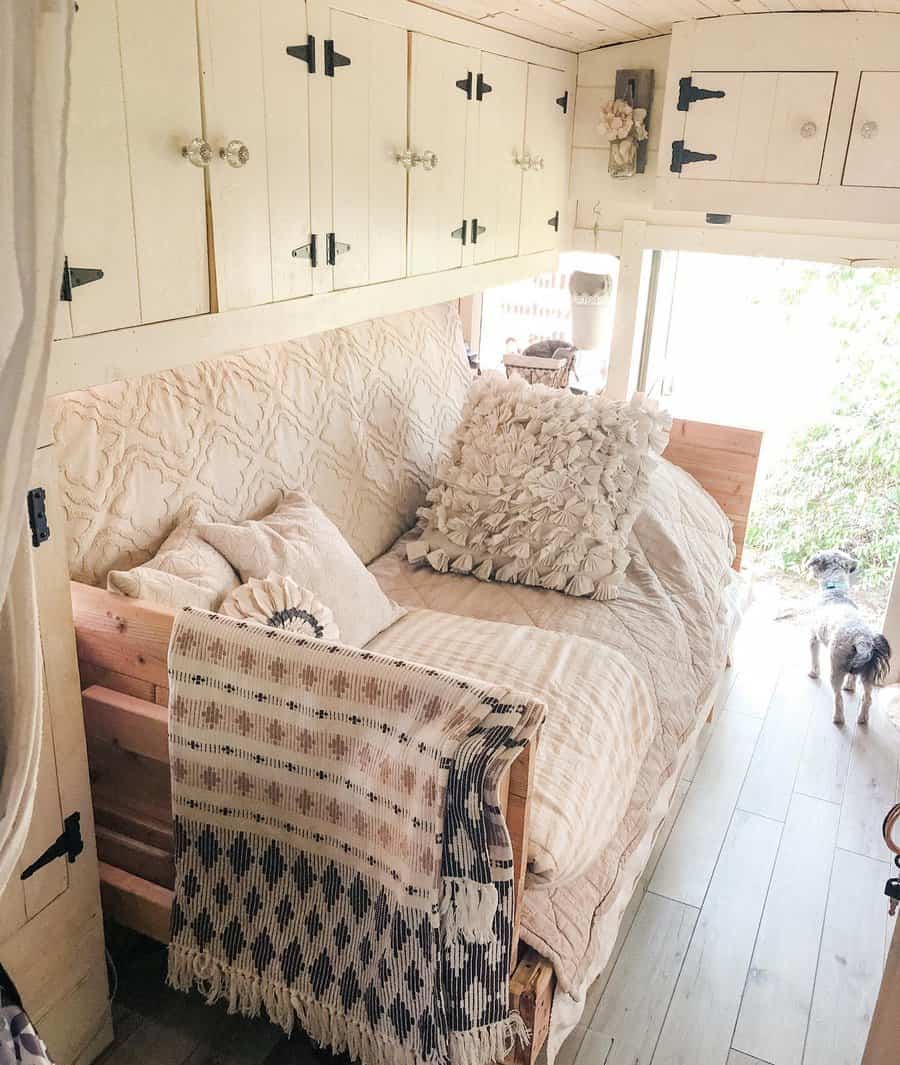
69 845
73 276
334 248
308 251
554 221
681 156
333 59
689 94
563 102
466 85
482 88
304 52
37 516
461 233
477 230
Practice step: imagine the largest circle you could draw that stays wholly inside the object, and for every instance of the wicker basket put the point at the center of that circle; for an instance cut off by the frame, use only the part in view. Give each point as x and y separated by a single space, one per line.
551 367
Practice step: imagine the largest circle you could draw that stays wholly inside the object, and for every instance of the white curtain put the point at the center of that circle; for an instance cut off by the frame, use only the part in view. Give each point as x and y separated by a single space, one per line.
34 57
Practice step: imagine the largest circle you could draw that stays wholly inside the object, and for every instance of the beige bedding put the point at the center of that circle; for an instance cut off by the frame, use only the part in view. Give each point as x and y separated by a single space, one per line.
672 623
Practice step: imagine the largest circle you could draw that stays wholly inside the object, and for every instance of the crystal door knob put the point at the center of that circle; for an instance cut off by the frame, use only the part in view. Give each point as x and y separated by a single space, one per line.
537 163
808 129
868 130
235 153
409 159
198 152
524 161
428 159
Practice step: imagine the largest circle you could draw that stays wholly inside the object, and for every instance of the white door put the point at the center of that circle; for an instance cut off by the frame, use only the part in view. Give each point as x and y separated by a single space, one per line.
873 154
501 129
548 139
368 133
440 116
767 127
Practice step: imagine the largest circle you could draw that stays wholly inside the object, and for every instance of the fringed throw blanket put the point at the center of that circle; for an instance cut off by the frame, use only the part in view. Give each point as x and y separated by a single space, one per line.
341 856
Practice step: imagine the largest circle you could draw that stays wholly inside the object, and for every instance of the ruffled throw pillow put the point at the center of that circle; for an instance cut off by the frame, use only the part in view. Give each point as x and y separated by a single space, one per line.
542 487
279 603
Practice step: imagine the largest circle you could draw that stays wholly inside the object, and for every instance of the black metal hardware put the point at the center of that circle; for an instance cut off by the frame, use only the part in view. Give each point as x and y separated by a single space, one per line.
461 233
482 88
304 52
73 276
718 219
37 516
554 221
308 251
563 102
477 230
334 248
69 845
333 59
681 156
689 93
892 889
466 85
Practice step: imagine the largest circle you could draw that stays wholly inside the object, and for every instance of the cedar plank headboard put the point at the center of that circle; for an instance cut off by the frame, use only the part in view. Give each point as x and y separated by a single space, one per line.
724 460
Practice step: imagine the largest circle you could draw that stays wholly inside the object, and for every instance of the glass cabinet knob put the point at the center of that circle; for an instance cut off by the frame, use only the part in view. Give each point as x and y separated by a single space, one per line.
868 130
808 129
198 152
235 153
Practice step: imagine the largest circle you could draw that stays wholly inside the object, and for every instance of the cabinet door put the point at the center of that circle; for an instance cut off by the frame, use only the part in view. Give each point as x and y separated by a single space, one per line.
548 132
501 128
51 929
368 116
440 115
768 127
873 154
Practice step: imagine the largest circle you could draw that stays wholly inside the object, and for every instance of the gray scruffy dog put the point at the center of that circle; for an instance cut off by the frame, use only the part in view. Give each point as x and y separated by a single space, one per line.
856 651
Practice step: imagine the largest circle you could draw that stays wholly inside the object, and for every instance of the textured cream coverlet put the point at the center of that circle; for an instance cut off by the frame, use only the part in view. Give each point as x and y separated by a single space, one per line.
341 856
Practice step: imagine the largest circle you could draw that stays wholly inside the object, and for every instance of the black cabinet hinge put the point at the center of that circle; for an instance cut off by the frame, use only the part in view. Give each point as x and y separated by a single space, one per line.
554 221
563 102
37 516
688 94
466 85
308 251
681 156
482 88
73 276
477 230
69 845
333 59
334 248
461 233
304 52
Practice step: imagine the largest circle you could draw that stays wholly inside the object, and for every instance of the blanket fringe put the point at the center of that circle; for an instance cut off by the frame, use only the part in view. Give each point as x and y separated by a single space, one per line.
468 909
493 1042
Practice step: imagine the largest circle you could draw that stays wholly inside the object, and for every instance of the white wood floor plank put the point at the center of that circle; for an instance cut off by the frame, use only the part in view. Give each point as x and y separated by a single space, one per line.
568 1052
826 752
737 1058
753 688
850 962
775 1009
633 1007
690 855
595 1050
871 785
773 769
701 1018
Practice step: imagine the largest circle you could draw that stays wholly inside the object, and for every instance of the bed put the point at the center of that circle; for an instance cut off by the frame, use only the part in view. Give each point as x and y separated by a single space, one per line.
357 417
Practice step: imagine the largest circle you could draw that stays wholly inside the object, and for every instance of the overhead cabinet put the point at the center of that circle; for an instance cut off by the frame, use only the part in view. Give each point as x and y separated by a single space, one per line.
873 151
548 133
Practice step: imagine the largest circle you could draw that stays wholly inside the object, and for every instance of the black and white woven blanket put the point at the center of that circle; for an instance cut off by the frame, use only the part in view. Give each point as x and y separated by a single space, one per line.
341 855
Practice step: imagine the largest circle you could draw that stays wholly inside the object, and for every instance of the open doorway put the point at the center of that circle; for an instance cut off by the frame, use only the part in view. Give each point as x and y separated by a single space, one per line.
809 353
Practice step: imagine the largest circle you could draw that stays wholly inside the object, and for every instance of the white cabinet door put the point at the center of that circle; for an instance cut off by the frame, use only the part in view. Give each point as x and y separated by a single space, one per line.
768 127
501 129
548 139
873 154
440 116
368 132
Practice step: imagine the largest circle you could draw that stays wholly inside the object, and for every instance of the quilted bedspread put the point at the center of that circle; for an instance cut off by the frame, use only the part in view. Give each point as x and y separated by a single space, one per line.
671 625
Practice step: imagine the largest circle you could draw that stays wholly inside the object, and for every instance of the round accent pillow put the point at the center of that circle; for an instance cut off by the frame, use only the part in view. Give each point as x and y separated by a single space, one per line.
281 603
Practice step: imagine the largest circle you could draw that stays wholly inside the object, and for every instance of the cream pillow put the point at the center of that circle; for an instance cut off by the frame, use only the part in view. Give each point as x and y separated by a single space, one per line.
298 541
542 487
278 603
185 571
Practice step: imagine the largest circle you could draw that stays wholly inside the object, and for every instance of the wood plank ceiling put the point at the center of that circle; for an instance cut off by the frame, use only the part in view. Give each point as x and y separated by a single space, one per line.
577 25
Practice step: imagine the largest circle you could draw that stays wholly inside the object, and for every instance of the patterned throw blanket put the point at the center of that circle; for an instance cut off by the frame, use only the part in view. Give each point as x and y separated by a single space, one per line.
341 856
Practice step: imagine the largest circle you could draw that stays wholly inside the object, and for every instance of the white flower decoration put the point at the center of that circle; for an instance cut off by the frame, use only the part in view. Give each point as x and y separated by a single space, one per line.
279 602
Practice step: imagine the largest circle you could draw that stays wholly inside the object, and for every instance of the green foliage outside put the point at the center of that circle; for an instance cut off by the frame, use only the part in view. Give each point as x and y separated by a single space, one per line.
838 485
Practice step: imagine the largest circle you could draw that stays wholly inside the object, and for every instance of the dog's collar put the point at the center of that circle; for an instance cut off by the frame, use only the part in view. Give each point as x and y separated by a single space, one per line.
832 586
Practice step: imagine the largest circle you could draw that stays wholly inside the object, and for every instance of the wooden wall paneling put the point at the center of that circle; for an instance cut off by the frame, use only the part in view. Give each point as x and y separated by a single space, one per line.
162 110
231 56
286 150
438 121
501 133
369 116
99 223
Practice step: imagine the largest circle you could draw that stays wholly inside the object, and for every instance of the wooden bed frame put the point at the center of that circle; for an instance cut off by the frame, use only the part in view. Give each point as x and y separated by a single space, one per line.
122 650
